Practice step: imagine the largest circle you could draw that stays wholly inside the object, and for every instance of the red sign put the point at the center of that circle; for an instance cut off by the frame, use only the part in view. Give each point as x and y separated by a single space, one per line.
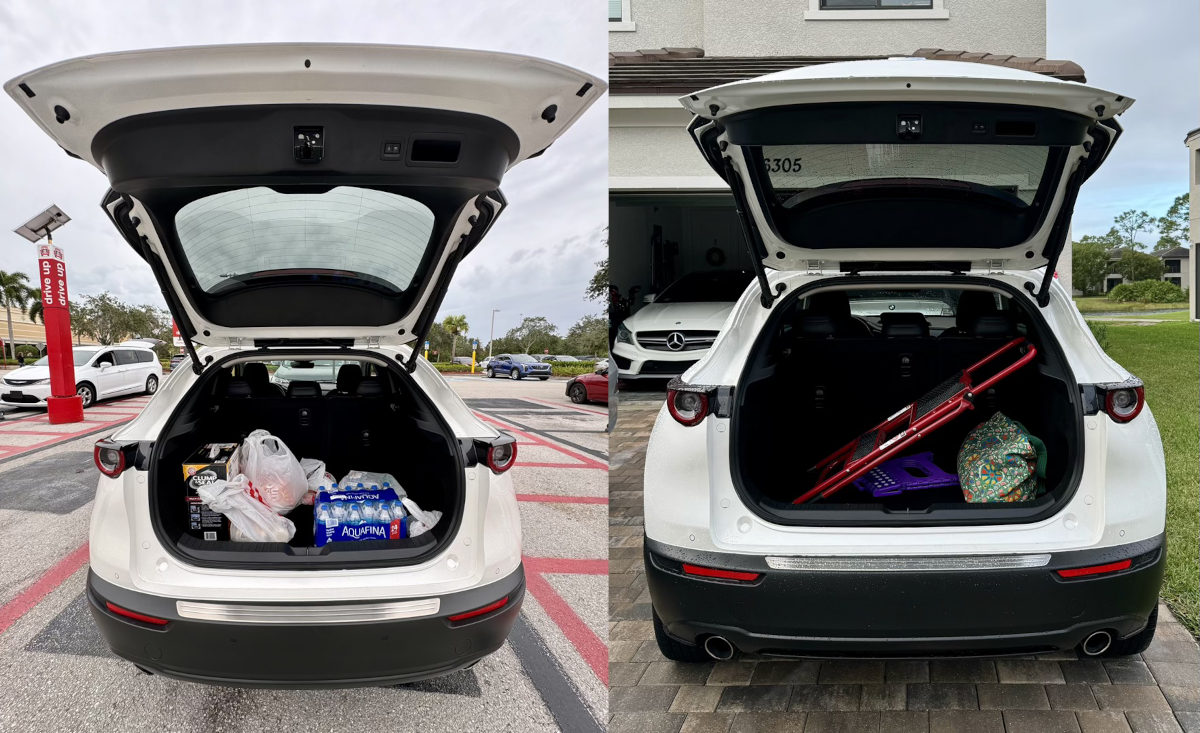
52 270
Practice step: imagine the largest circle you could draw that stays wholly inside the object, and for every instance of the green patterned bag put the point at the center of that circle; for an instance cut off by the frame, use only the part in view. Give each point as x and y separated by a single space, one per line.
1001 461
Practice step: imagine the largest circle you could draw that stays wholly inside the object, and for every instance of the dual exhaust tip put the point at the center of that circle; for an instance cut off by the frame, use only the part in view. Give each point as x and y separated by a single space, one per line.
1098 642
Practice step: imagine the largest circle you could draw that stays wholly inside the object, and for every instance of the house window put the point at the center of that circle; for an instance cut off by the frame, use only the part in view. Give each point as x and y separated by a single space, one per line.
619 16
1172 265
876 10
1177 281
874 4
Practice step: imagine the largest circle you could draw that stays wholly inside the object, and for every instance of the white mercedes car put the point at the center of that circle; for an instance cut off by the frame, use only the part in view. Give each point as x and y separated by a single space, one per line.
671 333
305 203
804 487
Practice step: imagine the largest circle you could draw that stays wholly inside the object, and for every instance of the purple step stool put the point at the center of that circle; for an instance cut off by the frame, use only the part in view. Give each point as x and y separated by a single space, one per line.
908 473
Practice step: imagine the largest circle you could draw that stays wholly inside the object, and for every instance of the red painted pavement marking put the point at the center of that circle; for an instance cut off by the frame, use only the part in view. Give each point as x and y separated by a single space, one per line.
12 611
88 427
569 407
558 498
586 642
585 460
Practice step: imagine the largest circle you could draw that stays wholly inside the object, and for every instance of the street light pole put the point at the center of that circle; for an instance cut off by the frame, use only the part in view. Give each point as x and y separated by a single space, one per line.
492 331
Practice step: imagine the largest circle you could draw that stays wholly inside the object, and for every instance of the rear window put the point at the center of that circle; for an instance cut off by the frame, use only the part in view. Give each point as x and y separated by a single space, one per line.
799 172
240 235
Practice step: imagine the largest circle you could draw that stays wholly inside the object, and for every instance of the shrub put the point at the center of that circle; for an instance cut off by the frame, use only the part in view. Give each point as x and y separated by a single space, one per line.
1148 291
1100 331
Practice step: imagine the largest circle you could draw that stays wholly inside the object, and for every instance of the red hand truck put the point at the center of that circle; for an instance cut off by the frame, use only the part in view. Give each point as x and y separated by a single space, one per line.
934 409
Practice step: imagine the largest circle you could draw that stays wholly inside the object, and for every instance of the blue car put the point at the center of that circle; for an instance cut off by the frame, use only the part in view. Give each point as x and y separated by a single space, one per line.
517 366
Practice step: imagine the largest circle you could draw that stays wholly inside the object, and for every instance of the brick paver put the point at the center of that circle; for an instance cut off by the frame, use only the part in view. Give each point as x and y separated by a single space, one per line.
1155 691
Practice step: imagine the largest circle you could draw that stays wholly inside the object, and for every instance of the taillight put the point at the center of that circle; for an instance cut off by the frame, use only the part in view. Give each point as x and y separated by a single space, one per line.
496 606
1111 567
502 453
110 457
1124 404
135 615
719 574
688 407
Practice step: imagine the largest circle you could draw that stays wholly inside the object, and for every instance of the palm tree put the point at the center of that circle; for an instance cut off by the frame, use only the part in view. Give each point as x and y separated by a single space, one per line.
14 290
455 325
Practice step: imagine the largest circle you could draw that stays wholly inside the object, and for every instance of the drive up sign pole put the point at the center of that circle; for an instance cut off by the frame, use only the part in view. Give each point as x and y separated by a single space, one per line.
474 350
63 406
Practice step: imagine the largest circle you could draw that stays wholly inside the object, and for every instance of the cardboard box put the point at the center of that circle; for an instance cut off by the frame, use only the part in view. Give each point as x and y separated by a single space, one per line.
208 464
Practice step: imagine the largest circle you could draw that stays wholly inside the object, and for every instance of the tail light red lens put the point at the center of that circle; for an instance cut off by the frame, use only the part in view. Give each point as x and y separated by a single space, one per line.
480 611
719 574
687 407
502 455
1111 567
1122 405
110 457
135 615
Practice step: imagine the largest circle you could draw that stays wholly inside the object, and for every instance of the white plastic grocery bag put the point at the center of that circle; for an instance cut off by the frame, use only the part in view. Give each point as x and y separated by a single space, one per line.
273 470
249 518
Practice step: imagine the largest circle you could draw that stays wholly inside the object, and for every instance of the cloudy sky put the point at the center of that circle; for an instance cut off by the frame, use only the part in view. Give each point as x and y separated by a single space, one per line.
1149 51
536 260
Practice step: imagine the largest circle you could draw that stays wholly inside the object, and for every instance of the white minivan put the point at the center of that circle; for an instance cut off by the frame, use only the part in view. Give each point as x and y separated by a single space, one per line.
101 372
906 218
306 204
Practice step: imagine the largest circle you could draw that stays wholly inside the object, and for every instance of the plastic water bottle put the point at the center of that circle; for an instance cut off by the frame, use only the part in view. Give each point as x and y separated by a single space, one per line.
338 511
398 509
368 510
323 512
384 515
354 515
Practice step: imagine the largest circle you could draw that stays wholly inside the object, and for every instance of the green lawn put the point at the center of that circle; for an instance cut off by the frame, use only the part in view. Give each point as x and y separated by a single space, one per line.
1165 357
1101 304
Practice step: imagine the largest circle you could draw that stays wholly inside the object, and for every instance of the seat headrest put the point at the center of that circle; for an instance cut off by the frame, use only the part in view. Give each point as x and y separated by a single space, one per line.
904 325
994 326
370 387
238 388
834 303
256 373
348 377
303 389
971 305
817 327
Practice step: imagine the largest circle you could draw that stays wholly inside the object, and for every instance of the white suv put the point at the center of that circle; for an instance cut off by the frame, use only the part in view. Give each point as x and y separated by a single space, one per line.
908 216
100 372
305 202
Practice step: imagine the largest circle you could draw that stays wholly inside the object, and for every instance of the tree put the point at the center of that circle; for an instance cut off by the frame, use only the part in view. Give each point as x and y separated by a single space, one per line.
597 287
1089 265
1136 266
455 326
110 321
534 334
1110 240
1132 223
589 335
14 291
1173 226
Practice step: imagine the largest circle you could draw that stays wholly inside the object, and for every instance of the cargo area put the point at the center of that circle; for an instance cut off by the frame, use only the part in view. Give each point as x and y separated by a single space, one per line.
355 414
836 363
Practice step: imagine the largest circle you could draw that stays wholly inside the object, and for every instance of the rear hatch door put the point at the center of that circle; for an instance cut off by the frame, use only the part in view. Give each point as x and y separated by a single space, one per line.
304 193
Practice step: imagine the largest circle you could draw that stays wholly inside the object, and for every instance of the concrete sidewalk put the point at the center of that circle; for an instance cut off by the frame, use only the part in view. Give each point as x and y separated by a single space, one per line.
1157 691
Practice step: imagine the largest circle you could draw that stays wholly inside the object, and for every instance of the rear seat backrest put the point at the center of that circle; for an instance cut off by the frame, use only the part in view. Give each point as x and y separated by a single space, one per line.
905 356
302 389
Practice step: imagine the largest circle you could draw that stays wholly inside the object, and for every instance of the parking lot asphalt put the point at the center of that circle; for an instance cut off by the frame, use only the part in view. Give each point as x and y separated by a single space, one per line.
551 674
1156 691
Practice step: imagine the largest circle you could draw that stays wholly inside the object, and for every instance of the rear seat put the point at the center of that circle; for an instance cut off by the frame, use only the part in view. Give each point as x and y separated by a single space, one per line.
905 356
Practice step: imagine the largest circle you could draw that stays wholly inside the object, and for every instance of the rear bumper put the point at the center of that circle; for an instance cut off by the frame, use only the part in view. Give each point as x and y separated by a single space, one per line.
903 612
306 655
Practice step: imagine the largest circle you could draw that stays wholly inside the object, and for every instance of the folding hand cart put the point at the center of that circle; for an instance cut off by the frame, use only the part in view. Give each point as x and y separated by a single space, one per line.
934 409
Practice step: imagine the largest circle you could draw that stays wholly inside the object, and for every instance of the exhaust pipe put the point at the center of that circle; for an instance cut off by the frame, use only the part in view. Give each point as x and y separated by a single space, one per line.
719 648
1097 643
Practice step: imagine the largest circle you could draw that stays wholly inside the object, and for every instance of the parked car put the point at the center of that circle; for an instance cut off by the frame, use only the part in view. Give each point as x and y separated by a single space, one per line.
176 360
602 365
946 184
371 224
101 372
673 332
518 366
483 363
558 357
324 372
589 387
464 360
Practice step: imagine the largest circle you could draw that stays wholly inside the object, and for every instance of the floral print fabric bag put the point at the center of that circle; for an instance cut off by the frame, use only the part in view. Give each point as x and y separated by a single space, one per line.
1000 461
